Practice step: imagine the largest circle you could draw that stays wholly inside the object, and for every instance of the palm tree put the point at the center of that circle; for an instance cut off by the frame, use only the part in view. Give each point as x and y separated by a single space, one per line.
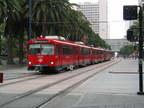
82 29
20 25
49 13
2 17
12 7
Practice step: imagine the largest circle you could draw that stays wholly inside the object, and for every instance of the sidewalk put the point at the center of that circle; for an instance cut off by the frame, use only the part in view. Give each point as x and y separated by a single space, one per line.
114 90
6 66
108 90
12 66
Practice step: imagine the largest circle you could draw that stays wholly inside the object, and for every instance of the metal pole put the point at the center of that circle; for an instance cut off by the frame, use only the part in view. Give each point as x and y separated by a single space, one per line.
30 18
140 54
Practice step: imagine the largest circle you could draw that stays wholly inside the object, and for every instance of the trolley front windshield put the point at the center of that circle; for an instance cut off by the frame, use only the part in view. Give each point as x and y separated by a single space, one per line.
41 49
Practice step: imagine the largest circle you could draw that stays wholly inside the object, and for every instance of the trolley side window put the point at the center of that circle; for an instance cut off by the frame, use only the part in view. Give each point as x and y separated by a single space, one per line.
57 49
34 49
47 49
76 50
81 51
67 50
86 51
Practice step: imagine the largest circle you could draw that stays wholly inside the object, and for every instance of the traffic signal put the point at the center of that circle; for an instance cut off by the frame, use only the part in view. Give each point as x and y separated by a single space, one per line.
129 35
130 12
135 38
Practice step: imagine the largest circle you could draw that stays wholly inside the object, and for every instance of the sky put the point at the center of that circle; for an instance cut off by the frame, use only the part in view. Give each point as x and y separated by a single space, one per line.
116 23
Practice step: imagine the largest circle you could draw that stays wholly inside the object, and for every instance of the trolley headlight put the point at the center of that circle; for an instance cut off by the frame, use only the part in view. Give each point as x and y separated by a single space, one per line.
30 63
51 62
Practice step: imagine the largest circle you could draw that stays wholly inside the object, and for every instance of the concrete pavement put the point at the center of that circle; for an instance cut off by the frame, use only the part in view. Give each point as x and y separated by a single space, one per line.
116 87
12 66
5 66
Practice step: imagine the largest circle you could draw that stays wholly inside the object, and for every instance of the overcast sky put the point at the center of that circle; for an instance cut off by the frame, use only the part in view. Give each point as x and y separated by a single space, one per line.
115 16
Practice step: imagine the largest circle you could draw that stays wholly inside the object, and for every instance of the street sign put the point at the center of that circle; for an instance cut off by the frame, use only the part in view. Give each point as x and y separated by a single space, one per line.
135 51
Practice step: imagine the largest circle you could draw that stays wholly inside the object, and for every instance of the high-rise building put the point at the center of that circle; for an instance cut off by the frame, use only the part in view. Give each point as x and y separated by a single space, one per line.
141 1
103 19
97 15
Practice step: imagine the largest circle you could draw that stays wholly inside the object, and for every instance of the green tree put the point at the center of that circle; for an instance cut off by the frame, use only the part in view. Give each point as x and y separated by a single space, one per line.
82 29
49 17
135 26
51 14
127 50
12 8
2 17
20 26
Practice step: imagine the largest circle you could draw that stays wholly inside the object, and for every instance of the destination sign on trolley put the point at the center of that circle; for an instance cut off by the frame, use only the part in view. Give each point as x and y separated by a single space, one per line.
40 41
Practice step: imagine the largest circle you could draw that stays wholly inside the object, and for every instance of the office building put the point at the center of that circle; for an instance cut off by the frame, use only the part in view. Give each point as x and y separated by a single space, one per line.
97 15
116 44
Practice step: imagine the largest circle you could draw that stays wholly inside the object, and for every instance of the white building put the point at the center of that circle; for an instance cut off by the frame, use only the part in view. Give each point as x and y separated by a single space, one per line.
97 15
116 44
141 1
103 19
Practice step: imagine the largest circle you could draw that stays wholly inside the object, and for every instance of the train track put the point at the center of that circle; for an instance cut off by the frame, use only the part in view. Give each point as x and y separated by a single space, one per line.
83 76
20 79
23 78
11 76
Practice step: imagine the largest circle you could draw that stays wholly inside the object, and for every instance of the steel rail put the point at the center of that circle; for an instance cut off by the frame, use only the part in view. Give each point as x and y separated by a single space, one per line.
54 83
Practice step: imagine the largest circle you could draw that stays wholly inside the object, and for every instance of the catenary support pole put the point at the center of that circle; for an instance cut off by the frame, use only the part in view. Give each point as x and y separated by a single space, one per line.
140 54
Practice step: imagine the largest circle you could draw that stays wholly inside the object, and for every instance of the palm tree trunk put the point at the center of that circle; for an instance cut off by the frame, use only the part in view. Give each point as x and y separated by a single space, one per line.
10 52
21 40
44 26
0 50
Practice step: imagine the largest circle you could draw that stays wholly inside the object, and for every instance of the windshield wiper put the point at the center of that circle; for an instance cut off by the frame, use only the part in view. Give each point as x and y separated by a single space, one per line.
49 51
